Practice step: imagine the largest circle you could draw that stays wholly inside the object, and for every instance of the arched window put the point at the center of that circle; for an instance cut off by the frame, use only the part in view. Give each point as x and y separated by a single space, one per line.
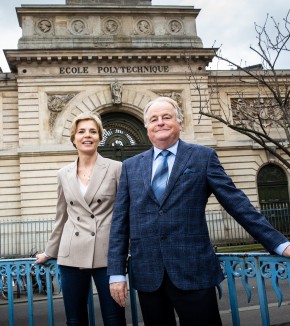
124 136
121 129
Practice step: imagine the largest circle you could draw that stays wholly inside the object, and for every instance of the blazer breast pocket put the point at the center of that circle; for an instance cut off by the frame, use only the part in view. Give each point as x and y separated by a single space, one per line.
188 171
189 177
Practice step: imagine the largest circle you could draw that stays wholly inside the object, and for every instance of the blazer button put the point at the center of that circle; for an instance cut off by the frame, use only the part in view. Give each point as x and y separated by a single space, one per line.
71 202
78 218
93 233
77 233
92 216
160 212
99 201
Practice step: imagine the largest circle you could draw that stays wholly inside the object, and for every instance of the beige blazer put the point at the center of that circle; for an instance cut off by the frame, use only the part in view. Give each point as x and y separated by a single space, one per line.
82 225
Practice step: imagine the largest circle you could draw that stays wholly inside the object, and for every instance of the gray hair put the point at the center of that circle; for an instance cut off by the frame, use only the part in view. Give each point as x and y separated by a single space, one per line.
175 106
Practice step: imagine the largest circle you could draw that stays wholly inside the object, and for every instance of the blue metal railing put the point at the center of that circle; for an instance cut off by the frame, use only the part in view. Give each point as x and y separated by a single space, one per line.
21 275
258 266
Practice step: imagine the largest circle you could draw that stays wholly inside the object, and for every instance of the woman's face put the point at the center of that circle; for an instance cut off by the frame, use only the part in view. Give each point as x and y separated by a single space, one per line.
87 136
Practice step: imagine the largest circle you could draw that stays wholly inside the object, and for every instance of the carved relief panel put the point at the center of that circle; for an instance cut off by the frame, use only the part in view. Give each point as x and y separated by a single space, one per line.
56 103
78 26
143 26
111 25
44 26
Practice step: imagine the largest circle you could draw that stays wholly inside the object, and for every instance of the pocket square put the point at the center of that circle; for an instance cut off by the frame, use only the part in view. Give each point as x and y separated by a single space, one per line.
188 171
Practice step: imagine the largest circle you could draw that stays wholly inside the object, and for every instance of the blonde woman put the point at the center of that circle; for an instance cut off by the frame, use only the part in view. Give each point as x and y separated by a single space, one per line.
86 194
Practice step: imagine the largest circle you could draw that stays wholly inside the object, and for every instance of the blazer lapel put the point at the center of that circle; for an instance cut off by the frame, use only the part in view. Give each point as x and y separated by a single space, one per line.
99 172
147 171
182 156
74 184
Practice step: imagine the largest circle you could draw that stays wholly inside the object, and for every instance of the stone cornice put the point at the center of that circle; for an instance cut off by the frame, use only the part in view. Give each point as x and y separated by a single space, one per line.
25 10
18 57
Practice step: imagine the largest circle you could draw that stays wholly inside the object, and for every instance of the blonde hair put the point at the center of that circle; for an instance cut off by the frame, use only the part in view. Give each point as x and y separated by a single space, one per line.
86 116
175 106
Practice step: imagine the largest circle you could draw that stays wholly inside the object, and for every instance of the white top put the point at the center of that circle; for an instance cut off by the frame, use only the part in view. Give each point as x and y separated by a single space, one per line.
83 188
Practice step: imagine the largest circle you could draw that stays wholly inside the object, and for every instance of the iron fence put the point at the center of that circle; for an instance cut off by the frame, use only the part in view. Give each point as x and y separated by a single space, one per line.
19 238
225 231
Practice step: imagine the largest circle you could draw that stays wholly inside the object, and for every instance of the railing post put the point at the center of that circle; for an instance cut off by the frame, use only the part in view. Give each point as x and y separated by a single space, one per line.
232 291
91 306
48 280
262 297
132 292
10 294
29 289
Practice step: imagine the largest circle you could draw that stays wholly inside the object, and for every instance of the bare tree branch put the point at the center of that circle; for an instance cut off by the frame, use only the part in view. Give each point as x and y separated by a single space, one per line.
265 117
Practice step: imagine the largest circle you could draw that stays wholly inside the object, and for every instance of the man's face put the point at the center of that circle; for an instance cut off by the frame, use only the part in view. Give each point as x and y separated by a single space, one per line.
162 127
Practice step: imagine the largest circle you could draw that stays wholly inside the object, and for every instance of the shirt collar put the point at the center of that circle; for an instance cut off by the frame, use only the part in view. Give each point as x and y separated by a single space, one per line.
172 149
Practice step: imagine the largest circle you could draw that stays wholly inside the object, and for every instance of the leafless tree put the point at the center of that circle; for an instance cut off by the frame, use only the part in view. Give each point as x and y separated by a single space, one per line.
265 118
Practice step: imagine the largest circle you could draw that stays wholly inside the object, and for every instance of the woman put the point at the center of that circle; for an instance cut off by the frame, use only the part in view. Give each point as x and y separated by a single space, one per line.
86 193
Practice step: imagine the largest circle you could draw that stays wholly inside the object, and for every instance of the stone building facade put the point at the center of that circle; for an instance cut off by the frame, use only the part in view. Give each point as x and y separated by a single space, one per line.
109 57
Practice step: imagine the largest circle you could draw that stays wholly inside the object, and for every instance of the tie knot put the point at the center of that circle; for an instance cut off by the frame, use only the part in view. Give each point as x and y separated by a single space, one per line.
165 153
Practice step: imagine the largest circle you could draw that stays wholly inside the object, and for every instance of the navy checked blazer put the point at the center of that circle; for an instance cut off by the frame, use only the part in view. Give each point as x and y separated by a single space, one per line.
173 234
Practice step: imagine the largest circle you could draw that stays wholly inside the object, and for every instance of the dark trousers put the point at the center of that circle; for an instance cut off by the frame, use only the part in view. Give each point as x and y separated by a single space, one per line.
75 284
193 307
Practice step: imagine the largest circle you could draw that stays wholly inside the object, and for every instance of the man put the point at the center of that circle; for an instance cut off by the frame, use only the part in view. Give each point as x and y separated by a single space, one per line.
174 266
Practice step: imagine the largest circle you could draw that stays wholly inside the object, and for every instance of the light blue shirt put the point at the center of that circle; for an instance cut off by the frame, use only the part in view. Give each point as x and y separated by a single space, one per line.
171 158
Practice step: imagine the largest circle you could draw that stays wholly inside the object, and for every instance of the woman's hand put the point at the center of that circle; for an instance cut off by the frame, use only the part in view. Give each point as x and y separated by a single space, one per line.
41 258
119 292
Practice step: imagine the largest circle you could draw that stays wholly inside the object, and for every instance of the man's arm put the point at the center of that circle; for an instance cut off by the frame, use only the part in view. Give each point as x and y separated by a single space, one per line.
238 205
119 242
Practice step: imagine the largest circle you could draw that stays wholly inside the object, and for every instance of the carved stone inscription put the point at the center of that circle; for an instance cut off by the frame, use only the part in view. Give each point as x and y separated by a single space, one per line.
74 70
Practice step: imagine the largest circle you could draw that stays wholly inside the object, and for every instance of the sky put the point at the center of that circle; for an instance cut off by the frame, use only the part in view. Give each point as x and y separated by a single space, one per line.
228 24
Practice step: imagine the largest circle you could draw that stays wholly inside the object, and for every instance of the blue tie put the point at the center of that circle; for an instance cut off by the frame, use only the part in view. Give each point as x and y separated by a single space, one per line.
159 181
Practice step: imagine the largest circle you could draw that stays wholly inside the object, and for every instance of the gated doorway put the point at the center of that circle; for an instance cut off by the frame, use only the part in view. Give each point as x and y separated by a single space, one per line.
274 197
124 136
272 186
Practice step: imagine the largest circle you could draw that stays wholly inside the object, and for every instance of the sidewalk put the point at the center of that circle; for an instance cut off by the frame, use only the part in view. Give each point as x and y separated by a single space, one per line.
249 316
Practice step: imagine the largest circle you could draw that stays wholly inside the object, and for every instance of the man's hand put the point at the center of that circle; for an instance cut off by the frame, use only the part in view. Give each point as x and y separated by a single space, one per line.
41 258
286 252
119 292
